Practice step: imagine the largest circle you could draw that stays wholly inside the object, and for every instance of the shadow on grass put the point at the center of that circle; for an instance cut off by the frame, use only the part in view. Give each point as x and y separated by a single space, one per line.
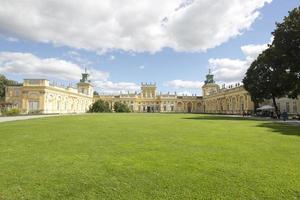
284 129
281 128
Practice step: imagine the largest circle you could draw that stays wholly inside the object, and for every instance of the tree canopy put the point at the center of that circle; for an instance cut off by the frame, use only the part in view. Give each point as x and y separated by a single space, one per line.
100 106
265 79
276 71
121 107
287 44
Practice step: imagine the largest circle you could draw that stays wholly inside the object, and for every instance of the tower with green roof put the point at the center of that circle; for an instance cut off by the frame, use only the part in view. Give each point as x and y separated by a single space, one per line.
210 87
85 86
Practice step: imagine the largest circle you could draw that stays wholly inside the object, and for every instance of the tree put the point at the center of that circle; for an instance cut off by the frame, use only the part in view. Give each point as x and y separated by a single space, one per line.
276 72
121 107
287 44
100 106
3 83
95 93
266 78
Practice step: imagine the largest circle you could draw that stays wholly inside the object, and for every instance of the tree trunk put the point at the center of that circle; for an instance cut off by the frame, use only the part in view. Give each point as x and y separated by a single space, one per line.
256 105
275 106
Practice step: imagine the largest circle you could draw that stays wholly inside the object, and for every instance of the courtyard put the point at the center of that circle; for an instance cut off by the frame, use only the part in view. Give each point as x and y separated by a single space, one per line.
149 156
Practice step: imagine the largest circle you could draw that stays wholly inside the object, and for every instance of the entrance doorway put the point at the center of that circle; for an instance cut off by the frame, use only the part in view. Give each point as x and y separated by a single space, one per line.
33 106
150 108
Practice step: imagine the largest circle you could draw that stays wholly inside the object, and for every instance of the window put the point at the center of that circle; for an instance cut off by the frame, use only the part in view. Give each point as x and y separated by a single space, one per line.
165 108
17 92
33 106
295 107
287 107
172 108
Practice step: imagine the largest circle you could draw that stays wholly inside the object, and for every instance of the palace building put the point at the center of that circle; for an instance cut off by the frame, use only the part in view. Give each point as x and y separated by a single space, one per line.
39 96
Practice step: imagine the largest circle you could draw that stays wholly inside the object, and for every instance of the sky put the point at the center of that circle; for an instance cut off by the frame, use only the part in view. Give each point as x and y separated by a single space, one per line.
123 43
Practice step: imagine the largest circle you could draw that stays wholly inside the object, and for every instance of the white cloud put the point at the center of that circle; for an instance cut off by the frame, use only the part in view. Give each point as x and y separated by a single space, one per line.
184 87
142 67
185 93
252 51
112 57
73 53
204 24
134 26
230 71
77 58
31 66
181 84
12 39
116 87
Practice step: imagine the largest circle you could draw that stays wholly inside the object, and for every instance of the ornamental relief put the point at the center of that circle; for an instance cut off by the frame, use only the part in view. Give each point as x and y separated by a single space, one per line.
34 95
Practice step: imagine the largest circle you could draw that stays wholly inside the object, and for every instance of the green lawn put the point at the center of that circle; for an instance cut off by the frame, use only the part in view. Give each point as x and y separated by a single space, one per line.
148 156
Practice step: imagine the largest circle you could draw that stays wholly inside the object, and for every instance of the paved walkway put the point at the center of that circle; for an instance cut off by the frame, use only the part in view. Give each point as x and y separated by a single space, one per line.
290 121
25 117
293 122
16 118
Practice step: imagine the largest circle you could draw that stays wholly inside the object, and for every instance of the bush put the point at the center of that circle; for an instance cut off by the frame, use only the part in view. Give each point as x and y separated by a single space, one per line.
10 112
99 106
121 107
35 112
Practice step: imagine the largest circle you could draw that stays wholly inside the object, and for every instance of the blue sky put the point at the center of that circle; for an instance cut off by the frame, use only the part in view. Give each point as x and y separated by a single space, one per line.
176 64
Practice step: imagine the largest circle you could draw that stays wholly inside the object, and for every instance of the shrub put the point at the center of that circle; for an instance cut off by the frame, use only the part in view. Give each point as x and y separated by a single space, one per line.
121 107
35 112
10 112
99 106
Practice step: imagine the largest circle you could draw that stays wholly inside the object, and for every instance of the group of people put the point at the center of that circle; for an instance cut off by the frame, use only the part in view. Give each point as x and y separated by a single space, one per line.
281 115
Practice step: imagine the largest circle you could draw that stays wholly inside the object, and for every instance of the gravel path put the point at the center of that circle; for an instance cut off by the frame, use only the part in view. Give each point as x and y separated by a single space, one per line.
16 118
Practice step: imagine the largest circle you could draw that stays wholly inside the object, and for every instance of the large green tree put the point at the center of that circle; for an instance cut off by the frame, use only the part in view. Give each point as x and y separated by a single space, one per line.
287 44
266 79
100 106
121 107
276 71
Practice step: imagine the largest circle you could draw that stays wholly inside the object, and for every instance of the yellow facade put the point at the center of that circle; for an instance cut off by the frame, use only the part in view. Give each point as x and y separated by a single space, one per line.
235 100
148 100
38 96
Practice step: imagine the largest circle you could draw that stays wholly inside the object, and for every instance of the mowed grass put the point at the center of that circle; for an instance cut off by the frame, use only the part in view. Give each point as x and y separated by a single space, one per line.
149 156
